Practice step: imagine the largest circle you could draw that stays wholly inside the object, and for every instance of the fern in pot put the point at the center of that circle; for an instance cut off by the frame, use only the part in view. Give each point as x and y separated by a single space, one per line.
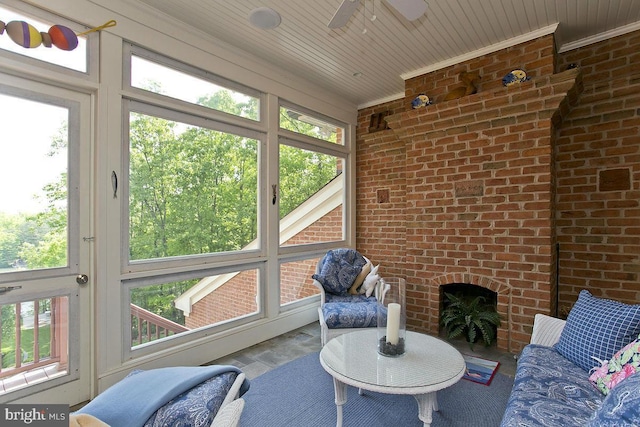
470 317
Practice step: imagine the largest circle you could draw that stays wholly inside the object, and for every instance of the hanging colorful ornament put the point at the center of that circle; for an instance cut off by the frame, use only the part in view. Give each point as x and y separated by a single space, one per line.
59 36
63 37
23 34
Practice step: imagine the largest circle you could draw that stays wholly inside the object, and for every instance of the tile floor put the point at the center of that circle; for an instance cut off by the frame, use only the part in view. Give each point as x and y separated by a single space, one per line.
262 357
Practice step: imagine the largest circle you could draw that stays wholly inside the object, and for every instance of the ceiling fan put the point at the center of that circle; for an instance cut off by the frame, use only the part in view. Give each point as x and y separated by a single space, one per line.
410 9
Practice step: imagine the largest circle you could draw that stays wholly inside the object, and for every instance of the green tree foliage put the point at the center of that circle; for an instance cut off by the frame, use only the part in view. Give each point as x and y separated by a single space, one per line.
16 230
39 240
191 192
296 187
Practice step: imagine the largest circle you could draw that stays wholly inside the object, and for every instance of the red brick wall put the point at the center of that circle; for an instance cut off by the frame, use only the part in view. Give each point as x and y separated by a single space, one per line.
380 192
474 188
235 298
535 57
598 175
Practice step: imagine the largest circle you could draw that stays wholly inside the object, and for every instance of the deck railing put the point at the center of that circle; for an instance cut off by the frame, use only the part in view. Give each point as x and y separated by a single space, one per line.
30 348
147 326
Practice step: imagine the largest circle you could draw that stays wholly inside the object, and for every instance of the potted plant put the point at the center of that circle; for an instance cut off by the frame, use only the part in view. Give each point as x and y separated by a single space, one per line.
470 317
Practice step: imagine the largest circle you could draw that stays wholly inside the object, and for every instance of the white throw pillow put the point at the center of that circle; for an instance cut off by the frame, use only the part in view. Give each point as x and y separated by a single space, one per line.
370 281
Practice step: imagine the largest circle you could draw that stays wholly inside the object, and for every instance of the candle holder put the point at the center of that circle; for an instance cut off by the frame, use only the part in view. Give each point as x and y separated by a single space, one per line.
392 318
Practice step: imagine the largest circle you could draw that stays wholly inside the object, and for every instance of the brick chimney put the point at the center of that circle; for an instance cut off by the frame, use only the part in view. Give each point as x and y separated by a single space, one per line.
478 177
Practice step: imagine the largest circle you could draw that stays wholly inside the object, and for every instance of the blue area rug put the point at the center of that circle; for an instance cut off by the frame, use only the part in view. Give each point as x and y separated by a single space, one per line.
300 394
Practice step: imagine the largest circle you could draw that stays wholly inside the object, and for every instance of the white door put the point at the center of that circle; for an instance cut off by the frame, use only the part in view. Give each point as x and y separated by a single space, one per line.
45 243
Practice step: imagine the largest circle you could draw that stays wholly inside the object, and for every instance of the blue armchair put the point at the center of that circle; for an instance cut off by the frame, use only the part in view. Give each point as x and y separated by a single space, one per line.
350 289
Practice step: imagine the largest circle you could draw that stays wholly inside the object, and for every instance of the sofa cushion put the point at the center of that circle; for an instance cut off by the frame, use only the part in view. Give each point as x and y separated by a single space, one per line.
623 364
621 407
339 269
549 390
349 315
596 328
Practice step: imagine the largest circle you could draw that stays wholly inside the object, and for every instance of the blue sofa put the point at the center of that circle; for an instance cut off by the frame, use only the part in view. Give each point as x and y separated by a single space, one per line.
551 385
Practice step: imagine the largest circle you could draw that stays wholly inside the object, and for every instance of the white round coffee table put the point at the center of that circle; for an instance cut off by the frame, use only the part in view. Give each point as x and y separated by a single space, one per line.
428 365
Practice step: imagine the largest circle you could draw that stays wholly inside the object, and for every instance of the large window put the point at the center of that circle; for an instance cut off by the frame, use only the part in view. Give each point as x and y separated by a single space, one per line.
310 202
194 174
312 160
192 189
197 161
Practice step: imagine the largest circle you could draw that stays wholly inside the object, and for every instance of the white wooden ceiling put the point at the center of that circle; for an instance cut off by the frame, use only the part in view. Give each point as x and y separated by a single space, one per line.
371 67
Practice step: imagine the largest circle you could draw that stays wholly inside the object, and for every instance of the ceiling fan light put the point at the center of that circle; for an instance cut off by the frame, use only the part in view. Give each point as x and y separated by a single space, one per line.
264 18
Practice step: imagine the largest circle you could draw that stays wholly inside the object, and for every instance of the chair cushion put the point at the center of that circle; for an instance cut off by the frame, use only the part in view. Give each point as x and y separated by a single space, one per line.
353 299
621 407
350 315
596 329
339 269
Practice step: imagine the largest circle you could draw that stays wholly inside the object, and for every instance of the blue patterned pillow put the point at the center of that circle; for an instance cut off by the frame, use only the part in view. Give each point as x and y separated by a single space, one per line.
597 328
195 407
339 270
621 407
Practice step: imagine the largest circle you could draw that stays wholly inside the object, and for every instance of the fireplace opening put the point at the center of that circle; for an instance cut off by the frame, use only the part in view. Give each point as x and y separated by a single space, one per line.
466 295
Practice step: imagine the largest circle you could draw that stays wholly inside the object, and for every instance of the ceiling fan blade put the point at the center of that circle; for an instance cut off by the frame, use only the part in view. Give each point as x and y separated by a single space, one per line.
410 9
343 14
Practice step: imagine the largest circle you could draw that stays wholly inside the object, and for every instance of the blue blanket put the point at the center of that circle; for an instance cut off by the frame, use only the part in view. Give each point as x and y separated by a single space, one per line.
133 400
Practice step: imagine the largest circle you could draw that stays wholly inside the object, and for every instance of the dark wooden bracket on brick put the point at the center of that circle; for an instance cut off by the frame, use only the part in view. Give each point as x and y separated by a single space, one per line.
378 122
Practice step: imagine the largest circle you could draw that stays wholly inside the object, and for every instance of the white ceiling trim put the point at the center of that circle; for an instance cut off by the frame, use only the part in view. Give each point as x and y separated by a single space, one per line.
599 37
484 51
381 101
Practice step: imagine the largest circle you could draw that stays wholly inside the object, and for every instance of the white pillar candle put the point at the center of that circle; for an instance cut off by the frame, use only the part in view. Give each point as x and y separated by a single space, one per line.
393 323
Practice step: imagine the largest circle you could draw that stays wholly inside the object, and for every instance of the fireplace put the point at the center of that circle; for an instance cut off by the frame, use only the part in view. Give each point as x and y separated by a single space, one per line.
468 292
478 188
